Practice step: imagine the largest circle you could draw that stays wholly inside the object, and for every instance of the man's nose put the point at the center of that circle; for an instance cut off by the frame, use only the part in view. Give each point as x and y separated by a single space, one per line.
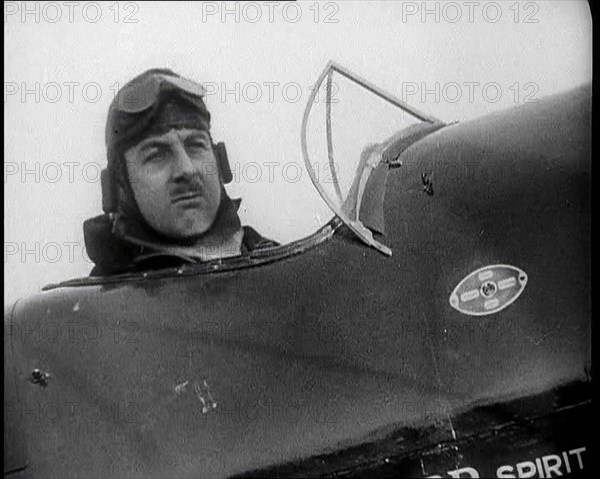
182 163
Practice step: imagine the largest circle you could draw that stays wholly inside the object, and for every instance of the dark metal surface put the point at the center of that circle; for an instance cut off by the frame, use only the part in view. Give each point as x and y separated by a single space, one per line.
209 374
537 436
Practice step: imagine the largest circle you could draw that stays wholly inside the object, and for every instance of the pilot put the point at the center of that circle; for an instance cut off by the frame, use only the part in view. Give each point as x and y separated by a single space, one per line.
164 197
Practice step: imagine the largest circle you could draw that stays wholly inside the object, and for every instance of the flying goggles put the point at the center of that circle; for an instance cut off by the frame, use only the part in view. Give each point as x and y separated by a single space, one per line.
141 94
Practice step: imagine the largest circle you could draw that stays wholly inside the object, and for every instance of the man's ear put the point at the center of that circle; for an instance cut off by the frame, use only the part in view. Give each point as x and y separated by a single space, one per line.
223 162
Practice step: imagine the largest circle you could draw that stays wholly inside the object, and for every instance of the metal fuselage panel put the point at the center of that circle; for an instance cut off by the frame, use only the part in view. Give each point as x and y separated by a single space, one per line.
214 374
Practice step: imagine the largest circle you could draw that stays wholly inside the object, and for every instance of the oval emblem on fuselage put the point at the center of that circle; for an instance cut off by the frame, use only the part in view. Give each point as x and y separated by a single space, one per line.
488 290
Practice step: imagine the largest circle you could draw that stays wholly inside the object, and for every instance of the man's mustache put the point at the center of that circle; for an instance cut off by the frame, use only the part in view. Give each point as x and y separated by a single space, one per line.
189 185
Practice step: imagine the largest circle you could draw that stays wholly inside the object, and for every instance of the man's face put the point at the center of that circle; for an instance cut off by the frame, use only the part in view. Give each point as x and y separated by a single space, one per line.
175 180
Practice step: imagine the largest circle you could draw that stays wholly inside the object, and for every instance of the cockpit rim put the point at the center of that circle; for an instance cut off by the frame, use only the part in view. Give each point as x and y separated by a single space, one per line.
258 257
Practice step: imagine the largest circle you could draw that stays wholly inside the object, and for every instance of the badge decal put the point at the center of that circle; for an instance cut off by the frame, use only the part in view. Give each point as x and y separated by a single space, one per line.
488 290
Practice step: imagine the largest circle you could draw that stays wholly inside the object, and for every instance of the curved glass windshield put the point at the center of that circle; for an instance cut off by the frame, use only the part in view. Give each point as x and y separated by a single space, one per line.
348 124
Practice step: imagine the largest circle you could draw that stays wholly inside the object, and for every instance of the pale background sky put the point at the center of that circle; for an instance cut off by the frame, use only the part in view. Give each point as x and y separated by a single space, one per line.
388 43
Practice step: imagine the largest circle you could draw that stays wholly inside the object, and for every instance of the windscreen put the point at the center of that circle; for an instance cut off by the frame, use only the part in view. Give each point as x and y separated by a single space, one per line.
348 123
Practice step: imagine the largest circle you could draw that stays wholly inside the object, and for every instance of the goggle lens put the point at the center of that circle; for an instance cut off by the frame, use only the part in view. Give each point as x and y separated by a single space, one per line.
138 97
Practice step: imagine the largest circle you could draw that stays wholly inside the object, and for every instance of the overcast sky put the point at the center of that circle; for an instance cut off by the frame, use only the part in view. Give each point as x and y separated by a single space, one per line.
453 60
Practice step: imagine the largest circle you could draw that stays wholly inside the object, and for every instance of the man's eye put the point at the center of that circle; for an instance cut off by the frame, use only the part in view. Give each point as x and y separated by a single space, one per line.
197 146
201 144
153 157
